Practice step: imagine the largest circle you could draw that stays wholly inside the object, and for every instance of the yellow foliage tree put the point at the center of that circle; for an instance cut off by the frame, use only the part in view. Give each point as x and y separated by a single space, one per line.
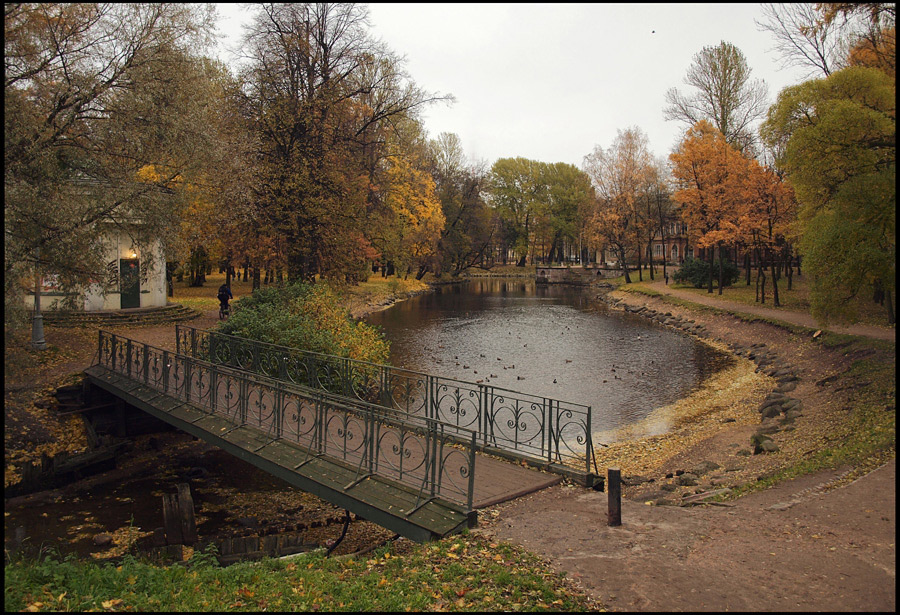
414 231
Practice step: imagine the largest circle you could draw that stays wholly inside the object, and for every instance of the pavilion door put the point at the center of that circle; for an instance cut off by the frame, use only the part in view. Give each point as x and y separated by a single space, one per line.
129 274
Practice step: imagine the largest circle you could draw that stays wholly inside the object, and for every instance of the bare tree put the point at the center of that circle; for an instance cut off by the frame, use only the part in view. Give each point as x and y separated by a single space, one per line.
802 40
726 96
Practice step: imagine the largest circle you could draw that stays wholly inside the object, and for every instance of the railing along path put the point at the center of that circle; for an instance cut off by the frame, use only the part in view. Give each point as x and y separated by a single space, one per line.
536 427
426 455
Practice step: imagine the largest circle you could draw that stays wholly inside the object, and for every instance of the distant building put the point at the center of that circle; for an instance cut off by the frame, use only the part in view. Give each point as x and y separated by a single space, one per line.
133 281
675 247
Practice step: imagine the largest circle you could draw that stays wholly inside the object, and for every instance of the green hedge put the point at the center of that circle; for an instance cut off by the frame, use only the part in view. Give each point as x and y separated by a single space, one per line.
306 316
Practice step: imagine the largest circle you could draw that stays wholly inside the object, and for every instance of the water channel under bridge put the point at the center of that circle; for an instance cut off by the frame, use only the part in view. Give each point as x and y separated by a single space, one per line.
417 476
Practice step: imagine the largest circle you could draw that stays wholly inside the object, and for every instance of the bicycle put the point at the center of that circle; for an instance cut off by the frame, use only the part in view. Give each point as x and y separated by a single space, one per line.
224 311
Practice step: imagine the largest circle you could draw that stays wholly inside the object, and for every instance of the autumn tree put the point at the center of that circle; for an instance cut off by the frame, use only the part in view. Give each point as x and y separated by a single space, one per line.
766 225
869 29
619 175
320 94
414 220
725 95
459 185
95 93
656 208
838 150
710 179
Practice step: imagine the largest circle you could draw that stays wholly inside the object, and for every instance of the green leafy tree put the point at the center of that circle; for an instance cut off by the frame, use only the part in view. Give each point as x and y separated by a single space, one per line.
569 194
517 192
836 138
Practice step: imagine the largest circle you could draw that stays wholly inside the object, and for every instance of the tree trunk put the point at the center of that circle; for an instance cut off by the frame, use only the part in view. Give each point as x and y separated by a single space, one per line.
255 278
624 265
775 301
721 269
709 287
747 266
640 273
889 304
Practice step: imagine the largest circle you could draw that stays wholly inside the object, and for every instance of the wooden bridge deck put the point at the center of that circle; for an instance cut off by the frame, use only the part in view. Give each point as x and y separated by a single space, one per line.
376 498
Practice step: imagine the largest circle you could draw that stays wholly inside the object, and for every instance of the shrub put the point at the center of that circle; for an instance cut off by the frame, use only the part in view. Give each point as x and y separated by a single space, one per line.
696 273
305 316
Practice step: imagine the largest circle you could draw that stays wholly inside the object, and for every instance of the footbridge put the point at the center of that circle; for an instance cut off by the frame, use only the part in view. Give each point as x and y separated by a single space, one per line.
414 475
543 432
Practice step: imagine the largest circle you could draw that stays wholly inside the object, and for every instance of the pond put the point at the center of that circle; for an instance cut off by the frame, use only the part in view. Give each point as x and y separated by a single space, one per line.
548 340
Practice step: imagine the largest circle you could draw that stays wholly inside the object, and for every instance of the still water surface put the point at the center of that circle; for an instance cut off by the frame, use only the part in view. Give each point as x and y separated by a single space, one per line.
552 341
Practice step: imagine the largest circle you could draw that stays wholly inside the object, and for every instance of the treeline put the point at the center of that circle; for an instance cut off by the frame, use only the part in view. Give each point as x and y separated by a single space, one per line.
311 160
817 181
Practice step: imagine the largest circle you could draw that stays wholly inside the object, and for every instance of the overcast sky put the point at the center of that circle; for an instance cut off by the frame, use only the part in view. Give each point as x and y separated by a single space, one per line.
549 82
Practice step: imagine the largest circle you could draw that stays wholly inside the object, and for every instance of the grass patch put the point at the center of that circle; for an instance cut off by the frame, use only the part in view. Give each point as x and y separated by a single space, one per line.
456 574
796 299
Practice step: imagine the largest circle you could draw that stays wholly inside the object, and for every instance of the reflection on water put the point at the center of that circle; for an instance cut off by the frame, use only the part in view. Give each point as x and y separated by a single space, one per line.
551 341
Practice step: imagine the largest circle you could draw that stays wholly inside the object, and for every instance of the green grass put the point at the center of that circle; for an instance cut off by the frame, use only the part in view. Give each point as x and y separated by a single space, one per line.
456 574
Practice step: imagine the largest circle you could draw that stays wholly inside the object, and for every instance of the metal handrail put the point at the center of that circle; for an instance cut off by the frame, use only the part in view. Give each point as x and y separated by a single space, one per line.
422 453
538 427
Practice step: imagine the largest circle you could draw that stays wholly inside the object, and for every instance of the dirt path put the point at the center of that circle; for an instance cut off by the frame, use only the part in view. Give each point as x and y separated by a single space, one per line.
796 318
814 543
789 548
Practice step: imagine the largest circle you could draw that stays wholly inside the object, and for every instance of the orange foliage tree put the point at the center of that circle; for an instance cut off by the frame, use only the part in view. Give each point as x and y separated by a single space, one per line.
710 176
767 224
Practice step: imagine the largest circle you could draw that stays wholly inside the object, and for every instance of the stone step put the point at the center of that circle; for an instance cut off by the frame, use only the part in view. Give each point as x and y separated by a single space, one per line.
146 316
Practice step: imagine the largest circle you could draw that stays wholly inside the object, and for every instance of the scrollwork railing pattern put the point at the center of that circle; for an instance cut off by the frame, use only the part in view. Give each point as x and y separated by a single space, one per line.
538 427
415 451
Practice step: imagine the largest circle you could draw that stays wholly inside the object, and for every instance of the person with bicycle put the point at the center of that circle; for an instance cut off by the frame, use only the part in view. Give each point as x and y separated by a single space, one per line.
224 296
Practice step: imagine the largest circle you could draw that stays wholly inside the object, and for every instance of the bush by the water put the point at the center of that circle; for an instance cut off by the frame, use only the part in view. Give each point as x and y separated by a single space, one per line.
696 272
306 316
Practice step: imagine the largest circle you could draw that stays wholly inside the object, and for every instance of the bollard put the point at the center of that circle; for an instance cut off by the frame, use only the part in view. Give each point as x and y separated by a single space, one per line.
614 496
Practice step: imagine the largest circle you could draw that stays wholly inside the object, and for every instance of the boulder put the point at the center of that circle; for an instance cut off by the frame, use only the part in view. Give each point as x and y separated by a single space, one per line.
769 446
687 479
756 442
787 387
704 467
771 411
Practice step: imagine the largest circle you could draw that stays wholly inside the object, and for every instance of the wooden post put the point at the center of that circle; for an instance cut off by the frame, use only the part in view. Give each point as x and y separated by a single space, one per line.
614 496
186 514
171 520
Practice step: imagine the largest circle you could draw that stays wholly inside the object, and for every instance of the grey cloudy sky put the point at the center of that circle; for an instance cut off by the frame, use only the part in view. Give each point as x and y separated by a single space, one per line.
549 82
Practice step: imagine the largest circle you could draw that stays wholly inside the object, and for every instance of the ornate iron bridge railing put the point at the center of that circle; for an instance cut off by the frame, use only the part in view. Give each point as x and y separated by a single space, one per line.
537 427
424 454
